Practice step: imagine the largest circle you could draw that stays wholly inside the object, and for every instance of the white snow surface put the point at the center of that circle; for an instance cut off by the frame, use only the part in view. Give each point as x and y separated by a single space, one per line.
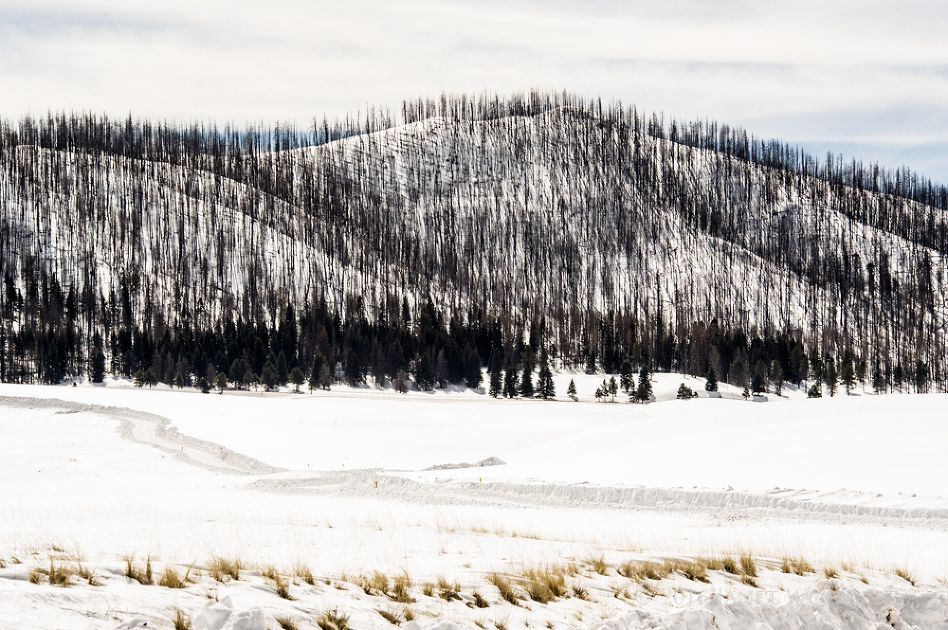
458 486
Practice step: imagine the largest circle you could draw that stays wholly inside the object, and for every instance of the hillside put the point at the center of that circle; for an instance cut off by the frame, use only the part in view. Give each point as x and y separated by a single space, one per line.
607 234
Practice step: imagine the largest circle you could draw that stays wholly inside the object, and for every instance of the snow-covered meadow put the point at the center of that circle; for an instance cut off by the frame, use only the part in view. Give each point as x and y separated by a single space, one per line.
352 484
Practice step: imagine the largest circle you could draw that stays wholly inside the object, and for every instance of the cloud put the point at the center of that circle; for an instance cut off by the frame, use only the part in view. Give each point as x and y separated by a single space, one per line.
808 71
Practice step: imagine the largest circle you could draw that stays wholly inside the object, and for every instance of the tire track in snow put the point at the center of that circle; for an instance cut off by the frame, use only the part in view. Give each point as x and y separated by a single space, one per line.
725 505
147 428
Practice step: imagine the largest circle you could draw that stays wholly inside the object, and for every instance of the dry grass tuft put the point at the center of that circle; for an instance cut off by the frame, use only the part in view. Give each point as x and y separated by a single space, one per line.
545 584
181 622
133 572
391 616
171 579
830 572
580 593
332 619
479 601
905 574
506 590
400 586
86 574
650 588
59 575
408 614
448 590
427 589
286 623
749 580
748 566
221 568
303 573
646 570
378 582
599 564
270 573
797 567
731 566
283 589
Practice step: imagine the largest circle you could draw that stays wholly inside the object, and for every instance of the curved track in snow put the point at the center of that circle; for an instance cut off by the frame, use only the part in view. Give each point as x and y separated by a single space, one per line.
154 430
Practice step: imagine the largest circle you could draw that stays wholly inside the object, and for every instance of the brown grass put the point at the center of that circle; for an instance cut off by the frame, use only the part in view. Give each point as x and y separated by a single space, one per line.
141 576
749 580
599 564
180 621
332 619
391 616
506 590
400 586
171 579
221 568
479 601
731 566
797 566
283 589
448 590
905 574
748 566
545 584
303 573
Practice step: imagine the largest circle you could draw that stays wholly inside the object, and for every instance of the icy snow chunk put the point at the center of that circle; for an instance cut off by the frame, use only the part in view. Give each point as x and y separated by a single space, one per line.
222 616
252 619
212 617
438 624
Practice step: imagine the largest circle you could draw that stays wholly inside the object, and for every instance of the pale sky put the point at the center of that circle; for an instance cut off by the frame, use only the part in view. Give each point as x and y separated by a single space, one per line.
865 78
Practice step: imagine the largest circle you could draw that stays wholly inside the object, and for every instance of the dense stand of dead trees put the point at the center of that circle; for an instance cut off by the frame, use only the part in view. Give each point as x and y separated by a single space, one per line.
627 236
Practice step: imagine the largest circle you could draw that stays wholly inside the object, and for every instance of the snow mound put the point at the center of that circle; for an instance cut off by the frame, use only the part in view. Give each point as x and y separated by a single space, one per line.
224 616
490 461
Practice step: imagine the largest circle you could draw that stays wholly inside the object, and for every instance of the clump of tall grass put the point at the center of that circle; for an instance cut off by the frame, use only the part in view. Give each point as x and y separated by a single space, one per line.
400 586
332 619
392 616
286 623
797 566
598 564
283 589
449 591
181 622
221 568
506 590
170 578
748 566
303 573
905 574
545 584
142 576
57 575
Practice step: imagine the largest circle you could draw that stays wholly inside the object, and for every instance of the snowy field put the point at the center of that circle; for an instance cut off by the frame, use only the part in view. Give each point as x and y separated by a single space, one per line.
320 495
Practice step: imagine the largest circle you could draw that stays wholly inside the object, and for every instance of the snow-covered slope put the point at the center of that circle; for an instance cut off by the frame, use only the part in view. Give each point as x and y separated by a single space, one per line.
565 211
355 482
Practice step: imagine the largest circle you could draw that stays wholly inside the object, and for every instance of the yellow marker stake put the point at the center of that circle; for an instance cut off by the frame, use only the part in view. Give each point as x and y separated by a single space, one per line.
376 484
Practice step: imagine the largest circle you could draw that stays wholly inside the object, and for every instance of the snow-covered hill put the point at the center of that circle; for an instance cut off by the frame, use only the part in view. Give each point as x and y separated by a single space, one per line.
563 213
